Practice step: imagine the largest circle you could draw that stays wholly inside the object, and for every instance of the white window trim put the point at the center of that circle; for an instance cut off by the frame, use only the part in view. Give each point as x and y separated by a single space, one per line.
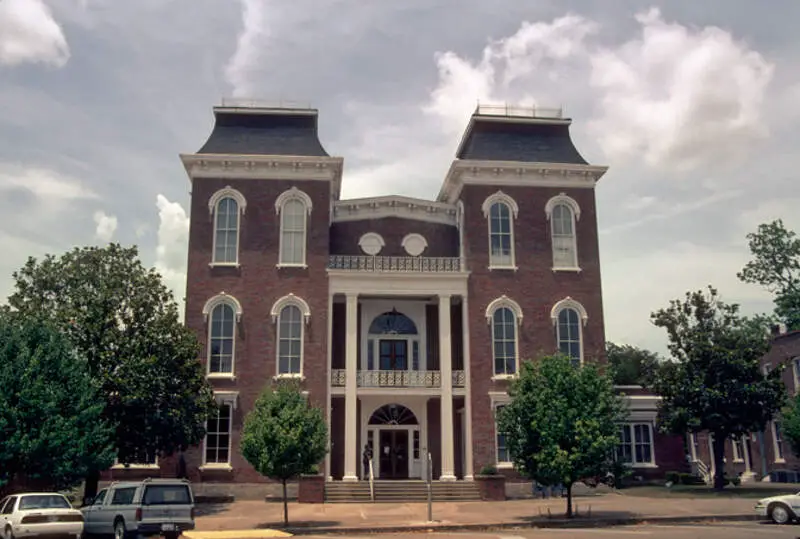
275 313
634 464
231 398
738 457
213 206
293 194
499 399
498 303
486 207
208 308
778 460
411 237
368 236
575 214
569 303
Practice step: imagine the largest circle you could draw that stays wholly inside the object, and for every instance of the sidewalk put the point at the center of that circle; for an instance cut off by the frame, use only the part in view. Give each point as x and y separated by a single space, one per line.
355 518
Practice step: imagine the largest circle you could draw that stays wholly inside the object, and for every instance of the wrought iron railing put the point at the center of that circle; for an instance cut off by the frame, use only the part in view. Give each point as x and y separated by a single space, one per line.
424 379
406 264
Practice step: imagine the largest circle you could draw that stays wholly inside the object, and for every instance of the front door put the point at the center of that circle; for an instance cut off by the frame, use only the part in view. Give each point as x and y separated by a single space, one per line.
393 457
393 355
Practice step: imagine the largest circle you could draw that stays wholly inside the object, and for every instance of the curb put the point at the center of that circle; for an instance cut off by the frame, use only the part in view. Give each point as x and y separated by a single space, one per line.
543 523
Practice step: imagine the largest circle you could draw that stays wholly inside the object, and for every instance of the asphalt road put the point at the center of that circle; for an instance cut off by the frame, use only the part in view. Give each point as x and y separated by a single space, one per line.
745 530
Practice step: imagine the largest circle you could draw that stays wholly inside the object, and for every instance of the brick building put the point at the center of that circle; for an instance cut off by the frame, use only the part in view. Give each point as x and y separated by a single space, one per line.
404 318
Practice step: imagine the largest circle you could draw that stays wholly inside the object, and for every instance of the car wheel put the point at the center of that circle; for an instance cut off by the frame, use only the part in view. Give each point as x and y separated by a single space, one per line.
8 533
119 530
780 514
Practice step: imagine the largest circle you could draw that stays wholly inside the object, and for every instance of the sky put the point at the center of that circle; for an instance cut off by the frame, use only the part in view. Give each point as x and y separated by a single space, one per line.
693 106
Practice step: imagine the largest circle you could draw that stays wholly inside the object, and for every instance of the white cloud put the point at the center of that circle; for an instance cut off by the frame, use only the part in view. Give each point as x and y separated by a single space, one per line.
173 242
47 185
679 96
248 48
106 226
30 34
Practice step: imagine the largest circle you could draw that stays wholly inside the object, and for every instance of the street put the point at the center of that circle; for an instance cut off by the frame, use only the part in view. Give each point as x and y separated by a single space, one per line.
733 530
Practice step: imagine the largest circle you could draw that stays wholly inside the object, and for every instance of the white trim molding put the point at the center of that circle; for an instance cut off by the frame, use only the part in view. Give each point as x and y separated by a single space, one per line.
402 207
222 297
568 303
504 301
499 196
290 299
227 397
563 198
227 192
414 244
378 242
293 194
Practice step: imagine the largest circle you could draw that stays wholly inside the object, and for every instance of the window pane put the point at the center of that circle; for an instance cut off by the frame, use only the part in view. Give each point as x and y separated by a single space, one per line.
504 341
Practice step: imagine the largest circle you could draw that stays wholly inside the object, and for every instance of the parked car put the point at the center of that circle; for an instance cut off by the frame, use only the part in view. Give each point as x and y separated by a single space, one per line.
150 507
34 514
781 509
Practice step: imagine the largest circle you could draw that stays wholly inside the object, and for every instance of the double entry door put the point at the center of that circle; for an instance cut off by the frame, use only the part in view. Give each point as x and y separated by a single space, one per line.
393 457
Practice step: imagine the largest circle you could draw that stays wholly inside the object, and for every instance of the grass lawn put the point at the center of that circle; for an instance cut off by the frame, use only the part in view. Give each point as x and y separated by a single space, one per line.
757 491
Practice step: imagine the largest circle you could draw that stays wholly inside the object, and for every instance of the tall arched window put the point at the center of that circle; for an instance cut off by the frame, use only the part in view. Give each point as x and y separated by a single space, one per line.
565 254
226 232
500 211
504 341
569 335
221 340
293 206
290 341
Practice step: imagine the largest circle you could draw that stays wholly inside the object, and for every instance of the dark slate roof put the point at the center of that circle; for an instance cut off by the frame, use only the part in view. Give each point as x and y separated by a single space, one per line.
265 132
490 138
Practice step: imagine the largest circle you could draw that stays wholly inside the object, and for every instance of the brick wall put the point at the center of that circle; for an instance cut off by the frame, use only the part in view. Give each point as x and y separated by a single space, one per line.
442 239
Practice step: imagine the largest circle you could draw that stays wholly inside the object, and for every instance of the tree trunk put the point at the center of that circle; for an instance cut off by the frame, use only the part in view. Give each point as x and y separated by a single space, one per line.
569 500
90 484
719 463
285 505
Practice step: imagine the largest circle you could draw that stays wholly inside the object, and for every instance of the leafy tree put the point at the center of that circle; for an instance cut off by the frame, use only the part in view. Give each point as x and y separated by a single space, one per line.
715 382
562 424
124 321
790 424
51 425
776 266
284 436
631 365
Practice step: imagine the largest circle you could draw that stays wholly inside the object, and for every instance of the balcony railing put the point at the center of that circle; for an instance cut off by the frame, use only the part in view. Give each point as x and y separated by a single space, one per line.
406 264
415 379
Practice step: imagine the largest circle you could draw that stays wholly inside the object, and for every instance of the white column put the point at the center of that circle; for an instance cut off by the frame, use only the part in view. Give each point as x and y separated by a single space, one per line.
328 404
468 465
446 368
350 395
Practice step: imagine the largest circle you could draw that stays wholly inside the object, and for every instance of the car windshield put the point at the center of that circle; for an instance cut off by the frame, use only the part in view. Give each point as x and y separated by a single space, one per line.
43 501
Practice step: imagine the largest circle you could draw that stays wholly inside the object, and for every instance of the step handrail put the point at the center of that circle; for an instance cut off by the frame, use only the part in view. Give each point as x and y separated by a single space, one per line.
371 481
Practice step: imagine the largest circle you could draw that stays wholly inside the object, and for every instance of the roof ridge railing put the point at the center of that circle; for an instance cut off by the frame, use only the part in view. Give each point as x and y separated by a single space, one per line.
241 102
518 111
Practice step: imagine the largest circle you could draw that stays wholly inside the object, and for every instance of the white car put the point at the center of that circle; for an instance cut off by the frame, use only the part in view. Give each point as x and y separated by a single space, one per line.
35 514
781 509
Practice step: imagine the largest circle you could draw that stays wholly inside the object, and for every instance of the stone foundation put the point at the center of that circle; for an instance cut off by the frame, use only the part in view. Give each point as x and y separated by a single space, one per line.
491 487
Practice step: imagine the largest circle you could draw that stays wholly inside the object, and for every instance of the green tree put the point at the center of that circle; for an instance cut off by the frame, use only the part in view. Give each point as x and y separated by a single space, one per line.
776 266
631 365
284 436
51 425
562 423
790 424
124 321
715 382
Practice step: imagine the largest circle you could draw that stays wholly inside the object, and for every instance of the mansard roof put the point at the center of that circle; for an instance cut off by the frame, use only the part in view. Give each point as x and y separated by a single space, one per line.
264 131
503 134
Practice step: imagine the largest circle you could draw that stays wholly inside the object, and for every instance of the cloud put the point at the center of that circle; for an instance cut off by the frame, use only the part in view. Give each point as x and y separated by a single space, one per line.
248 48
679 97
30 34
173 242
47 185
106 226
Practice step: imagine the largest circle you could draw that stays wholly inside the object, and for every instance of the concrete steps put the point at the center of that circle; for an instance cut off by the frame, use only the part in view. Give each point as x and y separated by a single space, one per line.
400 491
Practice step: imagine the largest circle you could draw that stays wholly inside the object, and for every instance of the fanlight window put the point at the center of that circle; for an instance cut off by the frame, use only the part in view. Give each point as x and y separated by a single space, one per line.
393 414
393 323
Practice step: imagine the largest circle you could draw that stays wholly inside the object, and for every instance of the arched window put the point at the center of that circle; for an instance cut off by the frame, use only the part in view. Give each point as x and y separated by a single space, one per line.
293 206
221 340
569 317
226 205
563 212
504 341
499 209
290 341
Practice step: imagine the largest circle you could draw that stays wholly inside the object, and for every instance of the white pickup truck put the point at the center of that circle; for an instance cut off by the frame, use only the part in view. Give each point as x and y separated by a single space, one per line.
129 509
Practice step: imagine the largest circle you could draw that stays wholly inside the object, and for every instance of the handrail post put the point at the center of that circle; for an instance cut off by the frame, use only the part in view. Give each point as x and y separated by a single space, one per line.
371 482
429 479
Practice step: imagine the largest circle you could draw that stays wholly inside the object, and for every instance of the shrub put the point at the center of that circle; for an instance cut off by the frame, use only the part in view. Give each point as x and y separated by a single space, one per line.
489 470
672 477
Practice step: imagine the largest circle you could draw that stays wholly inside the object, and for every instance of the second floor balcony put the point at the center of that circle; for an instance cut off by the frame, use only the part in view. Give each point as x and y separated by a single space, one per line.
397 379
402 264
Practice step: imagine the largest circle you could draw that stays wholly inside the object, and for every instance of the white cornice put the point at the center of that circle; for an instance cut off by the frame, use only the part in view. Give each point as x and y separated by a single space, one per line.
265 167
398 283
514 173
359 209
